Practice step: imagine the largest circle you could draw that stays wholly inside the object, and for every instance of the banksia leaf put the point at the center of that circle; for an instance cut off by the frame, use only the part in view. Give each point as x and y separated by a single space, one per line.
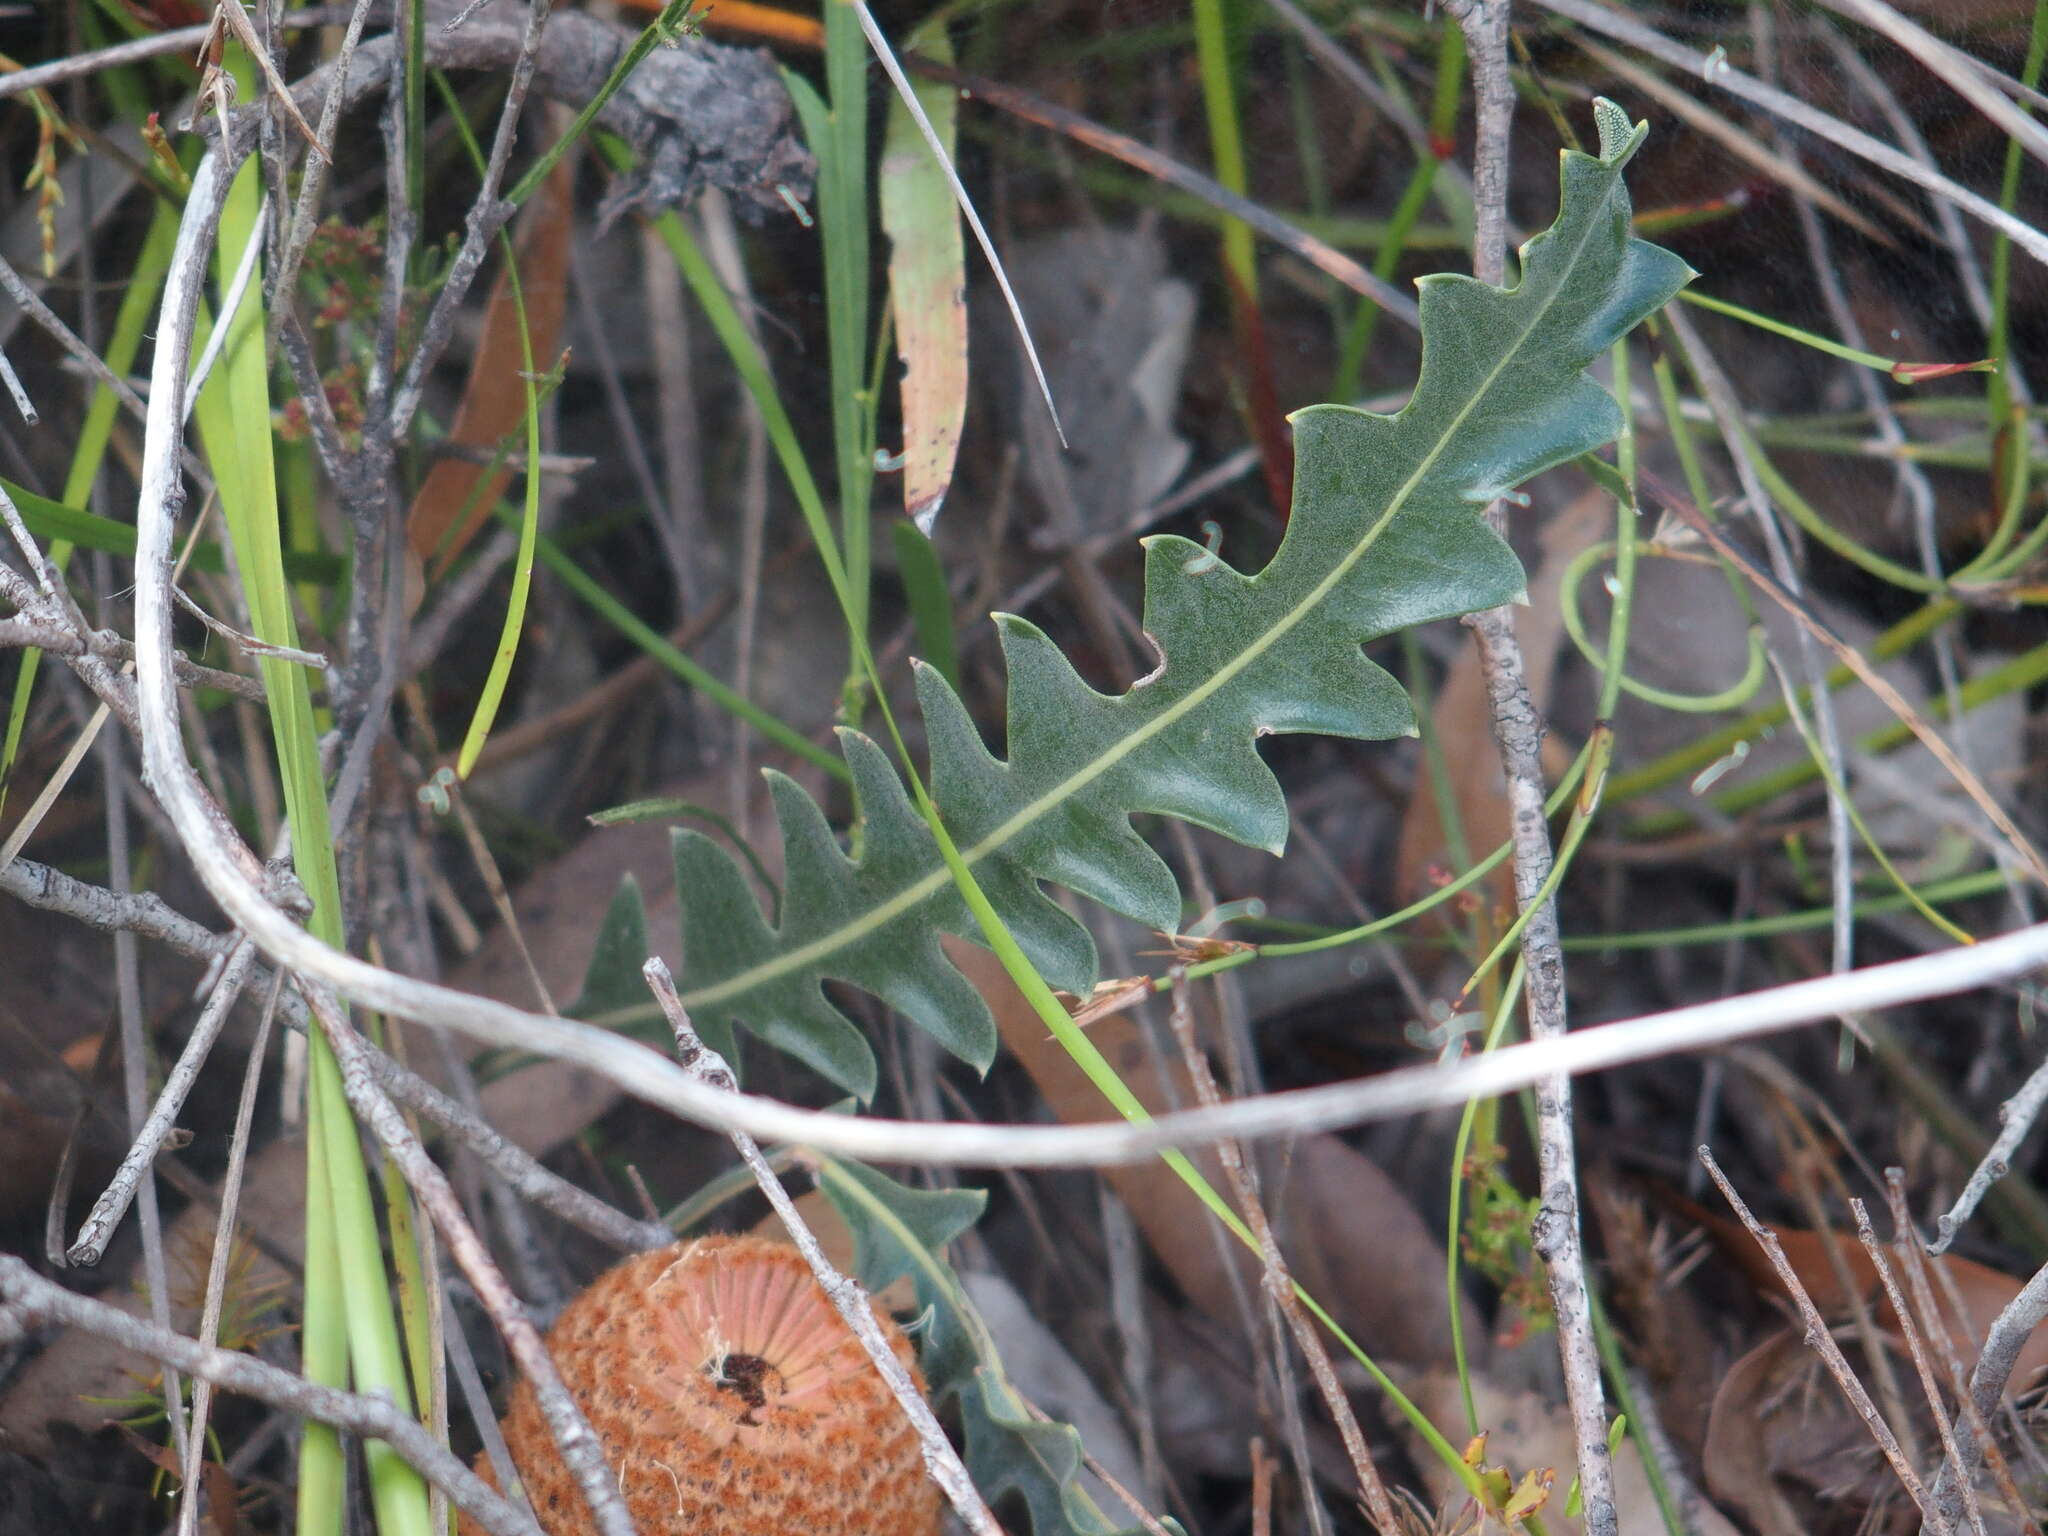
1386 532
1009 1449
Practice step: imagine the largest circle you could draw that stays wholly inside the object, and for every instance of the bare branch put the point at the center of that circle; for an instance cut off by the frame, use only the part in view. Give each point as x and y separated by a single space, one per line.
1821 1340
98 1227
59 641
1279 1283
529 1179
2016 1117
2001 1353
1518 735
580 1451
140 912
29 1298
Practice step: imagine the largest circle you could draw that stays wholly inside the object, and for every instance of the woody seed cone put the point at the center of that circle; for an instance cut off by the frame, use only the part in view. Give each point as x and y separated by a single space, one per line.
730 1399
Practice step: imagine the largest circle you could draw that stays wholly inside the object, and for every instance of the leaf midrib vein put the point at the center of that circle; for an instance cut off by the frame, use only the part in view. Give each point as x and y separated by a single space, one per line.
883 913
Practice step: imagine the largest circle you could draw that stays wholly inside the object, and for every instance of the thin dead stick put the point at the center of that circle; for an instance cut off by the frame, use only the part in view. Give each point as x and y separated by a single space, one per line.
1338 61
230 306
1518 735
1803 1157
97 1230
135 1075
941 1461
1279 1282
1956 69
54 601
61 641
247 643
1735 138
12 285
28 1298
1323 257
229 17
2016 1117
1906 1242
1822 1341
135 51
487 215
142 912
1995 1365
1130 1499
223 1244
529 1178
22 403
1555 1232
306 211
1909 1330
487 867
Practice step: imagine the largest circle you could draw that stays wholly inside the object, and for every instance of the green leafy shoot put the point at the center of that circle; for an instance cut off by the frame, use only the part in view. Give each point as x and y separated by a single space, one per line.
1385 534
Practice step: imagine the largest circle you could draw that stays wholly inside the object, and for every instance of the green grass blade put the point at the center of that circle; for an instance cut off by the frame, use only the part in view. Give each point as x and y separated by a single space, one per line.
931 601
234 422
837 132
588 590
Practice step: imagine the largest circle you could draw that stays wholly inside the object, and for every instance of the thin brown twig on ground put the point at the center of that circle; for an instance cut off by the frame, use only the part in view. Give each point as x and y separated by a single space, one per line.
1821 1340
1913 1257
1917 1348
1279 1283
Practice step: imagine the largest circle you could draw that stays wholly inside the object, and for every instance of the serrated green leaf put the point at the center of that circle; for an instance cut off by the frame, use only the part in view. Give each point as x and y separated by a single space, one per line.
900 1231
1008 1450
1385 533
612 980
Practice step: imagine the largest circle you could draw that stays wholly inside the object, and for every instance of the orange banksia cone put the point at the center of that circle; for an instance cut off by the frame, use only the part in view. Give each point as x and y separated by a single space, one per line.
731 1400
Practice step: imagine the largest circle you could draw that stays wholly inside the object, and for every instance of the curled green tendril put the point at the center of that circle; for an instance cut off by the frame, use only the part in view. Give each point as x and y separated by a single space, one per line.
1734 696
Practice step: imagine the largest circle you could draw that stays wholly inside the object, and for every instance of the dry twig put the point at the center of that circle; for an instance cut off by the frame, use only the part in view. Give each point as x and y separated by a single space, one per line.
25 1298
1518 733
1821 1340
1279 1284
